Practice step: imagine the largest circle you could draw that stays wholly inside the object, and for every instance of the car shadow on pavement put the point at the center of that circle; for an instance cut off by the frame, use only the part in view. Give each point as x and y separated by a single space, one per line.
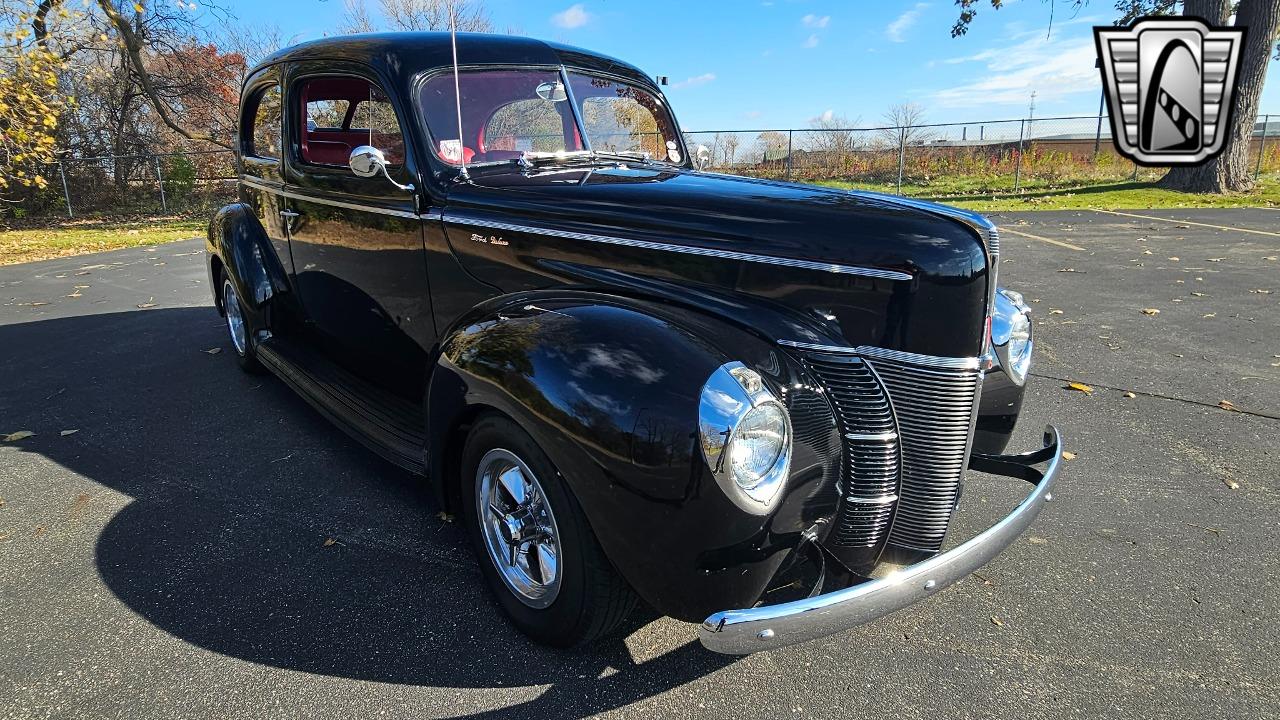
259 531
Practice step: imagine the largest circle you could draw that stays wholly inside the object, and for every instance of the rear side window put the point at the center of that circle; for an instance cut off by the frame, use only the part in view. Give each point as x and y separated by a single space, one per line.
264 134
342 113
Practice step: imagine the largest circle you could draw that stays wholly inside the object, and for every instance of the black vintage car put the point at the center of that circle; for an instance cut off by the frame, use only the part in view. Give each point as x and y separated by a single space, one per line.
749 404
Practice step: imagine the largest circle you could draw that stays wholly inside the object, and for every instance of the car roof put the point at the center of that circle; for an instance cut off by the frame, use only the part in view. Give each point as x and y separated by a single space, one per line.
404 54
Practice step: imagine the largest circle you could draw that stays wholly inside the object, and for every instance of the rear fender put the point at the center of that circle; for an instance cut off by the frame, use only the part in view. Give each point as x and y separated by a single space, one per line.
238 244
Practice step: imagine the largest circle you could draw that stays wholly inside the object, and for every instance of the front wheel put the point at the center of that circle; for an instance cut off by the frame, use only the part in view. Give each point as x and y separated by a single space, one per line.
238 327
538 554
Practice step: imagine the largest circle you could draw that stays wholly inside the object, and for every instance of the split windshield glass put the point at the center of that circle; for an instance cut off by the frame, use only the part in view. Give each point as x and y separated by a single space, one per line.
508 113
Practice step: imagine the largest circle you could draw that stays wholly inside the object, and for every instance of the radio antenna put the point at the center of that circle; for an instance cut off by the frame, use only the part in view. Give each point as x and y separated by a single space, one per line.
457 89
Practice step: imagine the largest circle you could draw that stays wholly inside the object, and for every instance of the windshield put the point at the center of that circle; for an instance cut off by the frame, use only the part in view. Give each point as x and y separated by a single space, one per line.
507 113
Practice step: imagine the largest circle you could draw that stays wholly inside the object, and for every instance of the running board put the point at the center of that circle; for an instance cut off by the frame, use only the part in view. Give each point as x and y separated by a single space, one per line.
385 423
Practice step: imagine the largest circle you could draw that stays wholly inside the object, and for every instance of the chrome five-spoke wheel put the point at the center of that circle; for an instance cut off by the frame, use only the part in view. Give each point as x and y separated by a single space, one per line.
235 318
519 528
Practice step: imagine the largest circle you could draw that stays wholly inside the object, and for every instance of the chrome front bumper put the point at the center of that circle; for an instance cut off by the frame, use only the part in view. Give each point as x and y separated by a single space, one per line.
740 632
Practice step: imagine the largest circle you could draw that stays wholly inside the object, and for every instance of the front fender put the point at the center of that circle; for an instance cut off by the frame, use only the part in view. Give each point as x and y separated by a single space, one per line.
609 388
238 242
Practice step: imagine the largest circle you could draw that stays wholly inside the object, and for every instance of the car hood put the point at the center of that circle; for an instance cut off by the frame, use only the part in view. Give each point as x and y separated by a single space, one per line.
937 247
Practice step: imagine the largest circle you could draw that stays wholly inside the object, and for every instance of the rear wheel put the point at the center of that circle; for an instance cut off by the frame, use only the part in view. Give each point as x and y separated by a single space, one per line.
538 554
242 340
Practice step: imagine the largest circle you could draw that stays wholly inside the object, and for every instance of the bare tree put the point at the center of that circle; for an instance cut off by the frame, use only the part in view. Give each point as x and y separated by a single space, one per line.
831 134
412 15
906 126
730 148
771 145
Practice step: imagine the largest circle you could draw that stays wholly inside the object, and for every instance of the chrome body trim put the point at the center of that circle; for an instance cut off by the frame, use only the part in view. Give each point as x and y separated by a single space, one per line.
739 632
279 190
872 437
938 361
685 249
882 500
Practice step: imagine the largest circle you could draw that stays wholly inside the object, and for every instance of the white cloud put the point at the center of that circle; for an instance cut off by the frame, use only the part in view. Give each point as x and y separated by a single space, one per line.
574 17
810 42
752 114
1053 68
695 81
897 29
826 117
813 21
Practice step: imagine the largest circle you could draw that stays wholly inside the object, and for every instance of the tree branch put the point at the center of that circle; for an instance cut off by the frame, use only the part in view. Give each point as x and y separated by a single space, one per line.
133 50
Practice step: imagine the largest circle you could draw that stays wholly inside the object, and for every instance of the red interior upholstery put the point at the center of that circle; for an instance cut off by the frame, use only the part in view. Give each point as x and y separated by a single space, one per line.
333 146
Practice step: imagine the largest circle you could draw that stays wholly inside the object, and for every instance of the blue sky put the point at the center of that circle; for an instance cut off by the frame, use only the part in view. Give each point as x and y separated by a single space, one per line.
757 64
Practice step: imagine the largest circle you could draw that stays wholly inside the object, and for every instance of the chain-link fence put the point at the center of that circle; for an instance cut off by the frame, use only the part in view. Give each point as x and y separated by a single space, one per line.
137 185
937 161
952 159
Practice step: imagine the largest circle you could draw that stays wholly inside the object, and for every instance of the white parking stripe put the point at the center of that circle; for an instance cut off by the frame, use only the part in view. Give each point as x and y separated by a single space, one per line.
1059 243
1189 222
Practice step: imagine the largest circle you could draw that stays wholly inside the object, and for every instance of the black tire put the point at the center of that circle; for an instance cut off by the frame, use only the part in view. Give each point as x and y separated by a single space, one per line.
592 599
244 348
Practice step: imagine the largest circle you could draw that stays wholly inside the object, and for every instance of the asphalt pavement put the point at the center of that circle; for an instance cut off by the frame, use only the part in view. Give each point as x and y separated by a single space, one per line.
179 539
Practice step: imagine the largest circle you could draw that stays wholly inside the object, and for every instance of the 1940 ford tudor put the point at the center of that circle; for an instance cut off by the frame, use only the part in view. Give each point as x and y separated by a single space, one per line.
750 404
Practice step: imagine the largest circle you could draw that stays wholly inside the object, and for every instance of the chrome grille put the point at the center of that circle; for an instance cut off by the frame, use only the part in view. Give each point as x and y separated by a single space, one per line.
870 467
935 410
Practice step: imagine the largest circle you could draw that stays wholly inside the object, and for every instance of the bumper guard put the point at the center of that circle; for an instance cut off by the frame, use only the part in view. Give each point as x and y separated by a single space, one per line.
740 632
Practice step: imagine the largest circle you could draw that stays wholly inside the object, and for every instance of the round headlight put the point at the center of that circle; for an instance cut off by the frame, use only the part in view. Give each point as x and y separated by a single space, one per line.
745 437
757 445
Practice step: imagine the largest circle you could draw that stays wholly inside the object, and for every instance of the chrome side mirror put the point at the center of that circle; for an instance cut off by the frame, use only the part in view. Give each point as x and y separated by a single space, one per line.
367 161
701 156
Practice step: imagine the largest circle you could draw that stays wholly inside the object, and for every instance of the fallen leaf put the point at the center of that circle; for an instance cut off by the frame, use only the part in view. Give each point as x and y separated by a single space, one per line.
1198 294
1270 257
75 294
444 516
82 287
1260 291
149 303
1087 390
1129 394
1217 259
1071 270
1209 315
1231 484
1228 405
1177 354
1150 311
213 351
997 621
1034 540
16 436
1068 455
330 541
1175 258
1055 312
1146 252
1177 300
65 433
39 531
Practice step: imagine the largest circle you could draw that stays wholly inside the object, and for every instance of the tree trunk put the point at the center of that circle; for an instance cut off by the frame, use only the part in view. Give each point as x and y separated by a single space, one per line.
1231 171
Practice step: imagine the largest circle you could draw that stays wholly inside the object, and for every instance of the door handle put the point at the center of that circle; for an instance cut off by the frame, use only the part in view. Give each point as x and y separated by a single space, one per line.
289 213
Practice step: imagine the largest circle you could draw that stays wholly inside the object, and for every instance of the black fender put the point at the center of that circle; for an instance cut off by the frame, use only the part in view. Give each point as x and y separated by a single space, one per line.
609 387
238 244
998 411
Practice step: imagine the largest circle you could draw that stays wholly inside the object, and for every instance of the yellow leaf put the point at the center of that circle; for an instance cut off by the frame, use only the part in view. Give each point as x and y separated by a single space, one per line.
1150 311
1087 390
1130 395
1068 455
16 436
137 6
997 621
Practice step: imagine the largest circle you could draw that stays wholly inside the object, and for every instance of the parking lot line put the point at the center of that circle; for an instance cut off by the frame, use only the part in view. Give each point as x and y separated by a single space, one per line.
1051 241
1189 222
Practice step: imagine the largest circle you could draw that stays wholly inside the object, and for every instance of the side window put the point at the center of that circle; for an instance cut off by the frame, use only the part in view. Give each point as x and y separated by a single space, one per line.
265 130
341 113
525 125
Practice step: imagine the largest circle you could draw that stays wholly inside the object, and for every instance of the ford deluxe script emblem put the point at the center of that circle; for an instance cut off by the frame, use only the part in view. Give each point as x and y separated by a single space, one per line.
1169 83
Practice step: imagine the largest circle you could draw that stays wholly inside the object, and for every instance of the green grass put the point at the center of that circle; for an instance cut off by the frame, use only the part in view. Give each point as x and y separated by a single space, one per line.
76 237
1113 196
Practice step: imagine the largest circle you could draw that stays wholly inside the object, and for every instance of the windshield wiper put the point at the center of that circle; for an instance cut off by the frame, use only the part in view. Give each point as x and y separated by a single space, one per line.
533 159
